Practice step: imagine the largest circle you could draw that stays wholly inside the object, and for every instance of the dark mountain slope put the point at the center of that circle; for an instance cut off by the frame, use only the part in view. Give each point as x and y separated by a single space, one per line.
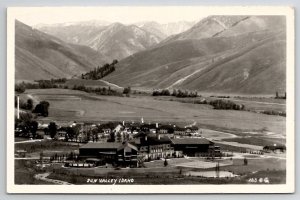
239 64
44 56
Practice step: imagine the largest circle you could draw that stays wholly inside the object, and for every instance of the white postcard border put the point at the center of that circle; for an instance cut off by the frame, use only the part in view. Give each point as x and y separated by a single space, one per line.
289 187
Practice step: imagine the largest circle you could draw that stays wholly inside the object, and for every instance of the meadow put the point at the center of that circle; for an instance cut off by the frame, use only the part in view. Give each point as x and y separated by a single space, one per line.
70 105
155 173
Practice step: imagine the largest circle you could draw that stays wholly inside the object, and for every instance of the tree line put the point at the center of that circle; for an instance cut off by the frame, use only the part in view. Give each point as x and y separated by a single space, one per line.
99 90
41 84
176 93
100 72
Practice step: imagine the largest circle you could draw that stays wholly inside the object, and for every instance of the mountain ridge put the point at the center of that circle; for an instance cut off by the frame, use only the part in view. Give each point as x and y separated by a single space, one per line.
42 56
183 61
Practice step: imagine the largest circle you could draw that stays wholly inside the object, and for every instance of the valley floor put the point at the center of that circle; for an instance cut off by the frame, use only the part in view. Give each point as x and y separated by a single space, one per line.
70 105
233 131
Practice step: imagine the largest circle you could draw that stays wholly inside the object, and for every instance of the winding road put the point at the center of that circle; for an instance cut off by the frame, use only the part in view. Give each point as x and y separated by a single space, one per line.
43 177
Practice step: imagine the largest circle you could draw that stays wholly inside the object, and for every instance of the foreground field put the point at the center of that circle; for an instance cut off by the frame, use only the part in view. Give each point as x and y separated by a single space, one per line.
182 171
192 170
67 105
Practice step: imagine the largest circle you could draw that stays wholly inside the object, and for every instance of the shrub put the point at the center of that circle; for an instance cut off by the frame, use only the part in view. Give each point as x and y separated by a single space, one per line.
20 88
226 105
42 108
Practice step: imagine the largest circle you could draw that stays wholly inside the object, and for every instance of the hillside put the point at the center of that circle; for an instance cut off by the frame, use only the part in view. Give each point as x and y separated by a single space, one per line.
244 55
226 26
41 56
114 41
119 41
167 29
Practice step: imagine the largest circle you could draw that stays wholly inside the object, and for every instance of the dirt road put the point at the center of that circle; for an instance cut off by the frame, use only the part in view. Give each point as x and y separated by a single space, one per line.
43 177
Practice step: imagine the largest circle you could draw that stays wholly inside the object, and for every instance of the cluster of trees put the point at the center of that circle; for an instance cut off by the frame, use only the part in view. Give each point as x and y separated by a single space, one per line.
72 133
92 134
42 108
28 105
164 92
41 84
100 72
53 83
20 88
100 90
226 105
27 126
274 112
175 93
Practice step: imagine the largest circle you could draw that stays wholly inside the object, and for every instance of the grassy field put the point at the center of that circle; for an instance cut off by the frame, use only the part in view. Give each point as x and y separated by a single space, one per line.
88 83
80 106
48 146
251 103
275 177
25 171
155 173
20 139
260 141
255 165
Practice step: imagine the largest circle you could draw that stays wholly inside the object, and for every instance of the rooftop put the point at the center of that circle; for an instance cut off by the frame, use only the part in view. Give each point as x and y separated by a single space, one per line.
126 144
107 145
153 140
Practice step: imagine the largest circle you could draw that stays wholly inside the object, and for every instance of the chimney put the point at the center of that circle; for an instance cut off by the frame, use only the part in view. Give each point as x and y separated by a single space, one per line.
158 136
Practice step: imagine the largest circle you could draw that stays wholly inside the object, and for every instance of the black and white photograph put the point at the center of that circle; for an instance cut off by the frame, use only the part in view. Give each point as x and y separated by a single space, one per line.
169 99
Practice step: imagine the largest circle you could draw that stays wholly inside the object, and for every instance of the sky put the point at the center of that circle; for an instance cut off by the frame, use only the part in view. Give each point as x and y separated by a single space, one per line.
126 15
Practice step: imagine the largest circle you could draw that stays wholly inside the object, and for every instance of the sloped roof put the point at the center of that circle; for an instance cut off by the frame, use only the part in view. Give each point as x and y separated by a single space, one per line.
190 141
155 141
126 144
177 128
107 145
165 126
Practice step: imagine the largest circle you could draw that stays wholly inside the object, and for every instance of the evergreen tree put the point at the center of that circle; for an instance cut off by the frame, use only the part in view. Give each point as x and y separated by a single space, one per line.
166 163
52 129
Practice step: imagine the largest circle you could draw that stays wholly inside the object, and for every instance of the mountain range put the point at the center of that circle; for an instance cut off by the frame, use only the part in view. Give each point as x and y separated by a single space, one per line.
224 54
42 56
167 29
114 40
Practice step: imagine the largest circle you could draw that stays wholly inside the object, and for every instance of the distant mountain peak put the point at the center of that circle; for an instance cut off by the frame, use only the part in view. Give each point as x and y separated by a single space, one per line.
115 41
224 54
95 23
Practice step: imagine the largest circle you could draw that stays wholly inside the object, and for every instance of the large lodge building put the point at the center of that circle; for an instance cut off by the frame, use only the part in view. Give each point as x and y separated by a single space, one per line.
151 142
